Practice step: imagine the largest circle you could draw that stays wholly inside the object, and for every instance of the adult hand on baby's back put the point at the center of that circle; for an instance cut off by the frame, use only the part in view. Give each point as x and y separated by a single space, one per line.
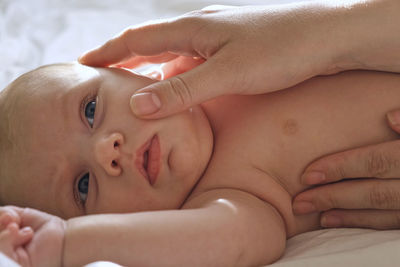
223 50
370 199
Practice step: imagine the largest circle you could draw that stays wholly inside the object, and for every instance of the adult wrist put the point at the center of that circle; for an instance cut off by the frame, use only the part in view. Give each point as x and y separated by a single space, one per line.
366 36
328 40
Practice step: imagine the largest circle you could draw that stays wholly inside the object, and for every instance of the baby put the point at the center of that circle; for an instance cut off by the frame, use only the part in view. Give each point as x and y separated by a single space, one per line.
211 186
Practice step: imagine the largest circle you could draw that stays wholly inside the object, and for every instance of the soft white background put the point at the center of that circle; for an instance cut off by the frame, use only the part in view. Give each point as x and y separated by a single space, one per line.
37 32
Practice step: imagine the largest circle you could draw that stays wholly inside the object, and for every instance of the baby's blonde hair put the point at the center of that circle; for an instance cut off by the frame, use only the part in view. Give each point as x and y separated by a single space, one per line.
8 137
13 130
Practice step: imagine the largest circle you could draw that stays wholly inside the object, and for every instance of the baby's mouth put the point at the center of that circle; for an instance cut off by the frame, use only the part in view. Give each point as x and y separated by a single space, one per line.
142 159
145 159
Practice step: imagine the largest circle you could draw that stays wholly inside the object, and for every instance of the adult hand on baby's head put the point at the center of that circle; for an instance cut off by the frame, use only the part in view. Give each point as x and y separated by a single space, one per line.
371 199
221 50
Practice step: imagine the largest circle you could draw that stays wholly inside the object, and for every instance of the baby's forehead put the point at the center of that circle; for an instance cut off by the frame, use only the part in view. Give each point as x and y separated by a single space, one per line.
62 77
46 82
35 93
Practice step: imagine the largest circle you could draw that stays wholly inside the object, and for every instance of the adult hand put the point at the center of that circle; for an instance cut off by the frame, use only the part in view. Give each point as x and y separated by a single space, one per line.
226 50
371 199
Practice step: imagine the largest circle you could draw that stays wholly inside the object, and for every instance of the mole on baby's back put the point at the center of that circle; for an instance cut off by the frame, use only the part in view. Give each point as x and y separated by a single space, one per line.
290 127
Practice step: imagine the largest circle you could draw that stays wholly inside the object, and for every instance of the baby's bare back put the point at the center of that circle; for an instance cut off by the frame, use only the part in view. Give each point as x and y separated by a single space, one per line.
263 143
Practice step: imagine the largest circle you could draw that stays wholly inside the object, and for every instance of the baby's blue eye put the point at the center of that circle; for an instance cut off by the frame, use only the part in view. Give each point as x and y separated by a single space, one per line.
83 187
90 109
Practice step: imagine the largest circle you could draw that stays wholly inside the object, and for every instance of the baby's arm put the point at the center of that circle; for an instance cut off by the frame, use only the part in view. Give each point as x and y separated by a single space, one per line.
217 228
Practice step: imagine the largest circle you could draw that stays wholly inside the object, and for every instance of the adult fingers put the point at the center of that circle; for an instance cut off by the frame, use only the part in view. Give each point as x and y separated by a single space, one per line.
379 161
147 40
351 194
178 93
138 61
180 65
375 219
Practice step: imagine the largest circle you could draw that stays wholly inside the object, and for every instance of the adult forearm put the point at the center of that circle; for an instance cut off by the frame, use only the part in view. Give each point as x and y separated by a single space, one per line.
366 35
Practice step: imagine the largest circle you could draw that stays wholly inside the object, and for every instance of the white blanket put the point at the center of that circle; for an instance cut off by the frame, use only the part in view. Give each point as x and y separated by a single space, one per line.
37 32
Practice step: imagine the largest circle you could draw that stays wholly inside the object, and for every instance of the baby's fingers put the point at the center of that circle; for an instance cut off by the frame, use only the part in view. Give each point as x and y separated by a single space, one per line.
16 236
12 241
6 219
23 236
22 257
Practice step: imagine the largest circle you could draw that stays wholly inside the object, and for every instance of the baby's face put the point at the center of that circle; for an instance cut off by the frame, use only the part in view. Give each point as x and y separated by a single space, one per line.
89 154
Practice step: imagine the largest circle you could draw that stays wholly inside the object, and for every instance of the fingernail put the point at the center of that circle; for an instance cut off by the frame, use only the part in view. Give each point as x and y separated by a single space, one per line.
81 57
313 177
394 117
330 221
84 54
26 230
154 74
145 103
303 207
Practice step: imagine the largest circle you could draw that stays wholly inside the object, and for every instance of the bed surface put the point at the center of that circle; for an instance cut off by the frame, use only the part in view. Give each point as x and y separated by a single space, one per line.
33 33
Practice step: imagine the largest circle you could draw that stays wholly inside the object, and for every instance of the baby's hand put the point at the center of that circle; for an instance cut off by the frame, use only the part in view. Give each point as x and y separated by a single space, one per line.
13 239
9 214
44 248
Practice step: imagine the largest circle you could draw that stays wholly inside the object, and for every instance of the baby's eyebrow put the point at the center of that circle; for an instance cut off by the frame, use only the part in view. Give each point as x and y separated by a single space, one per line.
70 106
68 102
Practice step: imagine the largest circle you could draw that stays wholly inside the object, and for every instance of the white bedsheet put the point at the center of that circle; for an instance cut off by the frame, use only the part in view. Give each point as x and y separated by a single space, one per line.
37 32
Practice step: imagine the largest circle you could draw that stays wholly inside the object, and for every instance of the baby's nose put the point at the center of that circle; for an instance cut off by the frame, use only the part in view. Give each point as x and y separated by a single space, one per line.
108 153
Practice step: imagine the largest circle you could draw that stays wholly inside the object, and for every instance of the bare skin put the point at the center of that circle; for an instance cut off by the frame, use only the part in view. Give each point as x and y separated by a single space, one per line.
66 147
268 49
331 114
261 146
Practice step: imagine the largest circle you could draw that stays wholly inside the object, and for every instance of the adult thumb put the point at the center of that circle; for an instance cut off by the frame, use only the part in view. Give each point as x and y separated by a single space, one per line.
182 91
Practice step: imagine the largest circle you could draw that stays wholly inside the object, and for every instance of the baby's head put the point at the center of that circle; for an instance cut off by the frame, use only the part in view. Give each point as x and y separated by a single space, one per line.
70 145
